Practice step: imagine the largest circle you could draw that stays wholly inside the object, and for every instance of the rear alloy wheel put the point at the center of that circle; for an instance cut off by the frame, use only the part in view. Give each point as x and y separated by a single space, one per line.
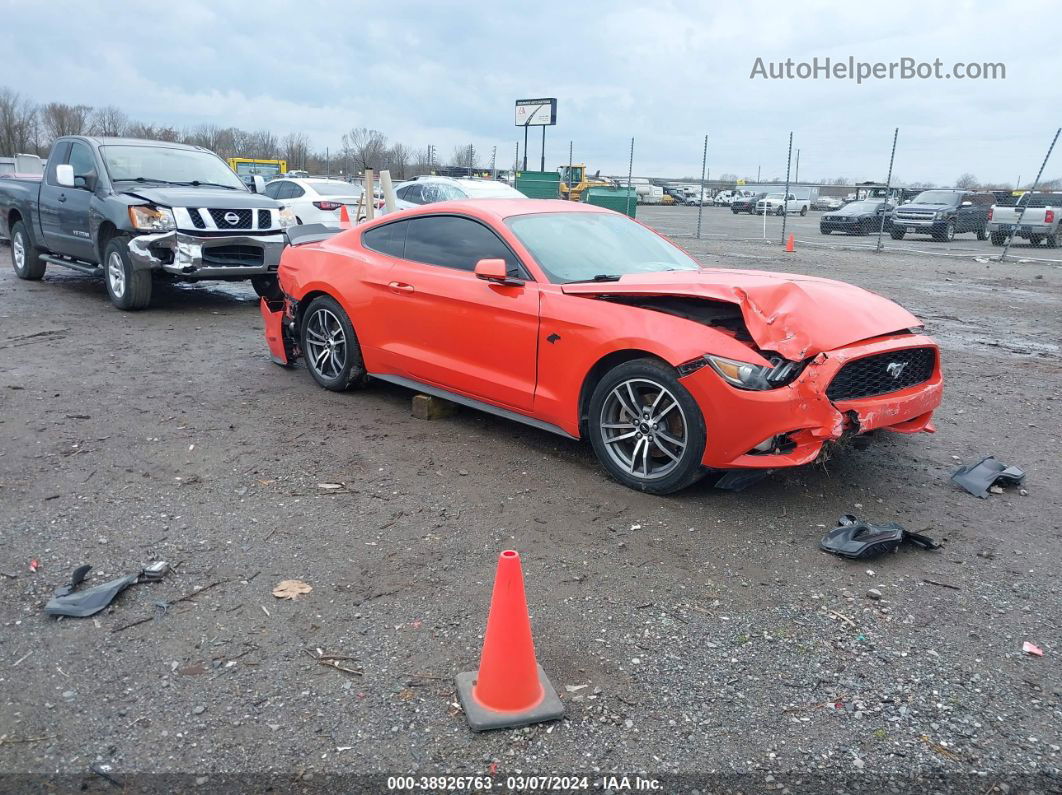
25 258
646 428
330 346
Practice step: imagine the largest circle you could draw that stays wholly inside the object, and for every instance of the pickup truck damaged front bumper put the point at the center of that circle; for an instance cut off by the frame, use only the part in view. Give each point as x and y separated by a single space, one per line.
193 257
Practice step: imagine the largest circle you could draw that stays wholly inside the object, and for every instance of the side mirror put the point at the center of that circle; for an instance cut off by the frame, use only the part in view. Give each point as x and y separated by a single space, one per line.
493 270
64 175
86 182
967 204
258 183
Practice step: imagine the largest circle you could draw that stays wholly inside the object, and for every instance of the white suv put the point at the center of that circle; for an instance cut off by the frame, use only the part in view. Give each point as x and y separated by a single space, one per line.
430 189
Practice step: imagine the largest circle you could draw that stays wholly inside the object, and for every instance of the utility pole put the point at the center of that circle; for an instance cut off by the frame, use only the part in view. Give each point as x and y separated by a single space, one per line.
796 178
757 174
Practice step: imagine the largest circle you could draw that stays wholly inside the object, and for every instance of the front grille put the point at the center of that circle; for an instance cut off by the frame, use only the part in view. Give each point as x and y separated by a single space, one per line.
243 218
882 373
916 215
232 256
263 219
197 218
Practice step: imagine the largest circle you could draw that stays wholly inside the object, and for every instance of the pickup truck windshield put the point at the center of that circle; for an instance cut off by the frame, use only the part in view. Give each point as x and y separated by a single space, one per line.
167 166
935 197
578 247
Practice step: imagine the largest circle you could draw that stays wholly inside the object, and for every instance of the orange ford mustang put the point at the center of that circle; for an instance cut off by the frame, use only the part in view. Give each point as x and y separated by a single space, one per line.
583 322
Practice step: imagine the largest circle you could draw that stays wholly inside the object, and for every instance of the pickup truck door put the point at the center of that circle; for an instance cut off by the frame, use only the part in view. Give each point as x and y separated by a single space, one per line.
48 202
75 236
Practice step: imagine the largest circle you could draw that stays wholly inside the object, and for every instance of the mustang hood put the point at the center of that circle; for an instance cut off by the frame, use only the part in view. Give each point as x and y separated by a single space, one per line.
795 316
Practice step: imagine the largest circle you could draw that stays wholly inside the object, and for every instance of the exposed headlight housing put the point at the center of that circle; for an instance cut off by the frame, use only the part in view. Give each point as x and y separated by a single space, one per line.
286 217
745 375
151 219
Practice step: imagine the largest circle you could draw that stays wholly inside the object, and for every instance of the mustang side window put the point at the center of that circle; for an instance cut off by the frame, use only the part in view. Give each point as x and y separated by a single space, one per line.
454 242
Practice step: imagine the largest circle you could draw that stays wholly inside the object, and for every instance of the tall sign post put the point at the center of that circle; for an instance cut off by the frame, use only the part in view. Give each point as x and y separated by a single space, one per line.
536 113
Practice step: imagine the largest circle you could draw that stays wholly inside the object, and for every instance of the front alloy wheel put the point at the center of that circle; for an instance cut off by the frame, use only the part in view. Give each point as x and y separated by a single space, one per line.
646 428
330 346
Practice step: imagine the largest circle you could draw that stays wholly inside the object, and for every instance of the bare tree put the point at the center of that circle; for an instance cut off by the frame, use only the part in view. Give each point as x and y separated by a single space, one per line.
18 124
108 121
401 158
62 119
366 148
465 157
296 149
262 144
966 181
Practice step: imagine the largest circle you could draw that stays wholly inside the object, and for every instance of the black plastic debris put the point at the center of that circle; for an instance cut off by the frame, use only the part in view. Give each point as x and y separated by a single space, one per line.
980 477
855 539
68 601
741 479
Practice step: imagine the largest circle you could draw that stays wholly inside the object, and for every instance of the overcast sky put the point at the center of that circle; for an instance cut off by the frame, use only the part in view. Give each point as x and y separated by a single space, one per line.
666 73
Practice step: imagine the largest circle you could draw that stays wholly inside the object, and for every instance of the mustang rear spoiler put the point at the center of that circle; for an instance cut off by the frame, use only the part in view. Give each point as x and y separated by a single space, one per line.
311 233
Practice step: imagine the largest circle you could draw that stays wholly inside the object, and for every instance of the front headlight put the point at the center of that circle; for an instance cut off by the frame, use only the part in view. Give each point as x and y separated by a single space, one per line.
151 219
286 217
740 374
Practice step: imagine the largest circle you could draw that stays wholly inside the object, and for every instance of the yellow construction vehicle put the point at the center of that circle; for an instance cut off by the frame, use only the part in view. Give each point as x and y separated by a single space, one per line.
574 181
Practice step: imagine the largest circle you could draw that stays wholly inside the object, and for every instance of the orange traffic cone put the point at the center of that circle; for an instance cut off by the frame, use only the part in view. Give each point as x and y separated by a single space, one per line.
344 218
789 244
510 689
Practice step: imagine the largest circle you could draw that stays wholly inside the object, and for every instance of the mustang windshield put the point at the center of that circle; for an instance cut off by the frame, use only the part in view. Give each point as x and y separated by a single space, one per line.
577 247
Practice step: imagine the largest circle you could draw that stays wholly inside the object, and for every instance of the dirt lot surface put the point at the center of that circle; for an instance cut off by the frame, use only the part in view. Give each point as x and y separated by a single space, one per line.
703 633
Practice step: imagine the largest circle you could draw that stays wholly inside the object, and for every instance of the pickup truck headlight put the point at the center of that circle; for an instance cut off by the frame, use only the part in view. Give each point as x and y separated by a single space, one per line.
151 219
286 217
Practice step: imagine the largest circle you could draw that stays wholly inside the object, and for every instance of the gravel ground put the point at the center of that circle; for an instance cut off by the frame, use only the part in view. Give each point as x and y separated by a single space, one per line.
702 638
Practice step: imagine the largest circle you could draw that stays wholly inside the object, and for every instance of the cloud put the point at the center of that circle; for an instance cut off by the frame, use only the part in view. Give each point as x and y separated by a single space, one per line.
664 73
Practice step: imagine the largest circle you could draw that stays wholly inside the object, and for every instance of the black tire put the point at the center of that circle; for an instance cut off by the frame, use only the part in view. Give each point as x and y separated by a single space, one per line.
1034 240
779 211
998 238
897 234
982 233
823 230
1052 240
611 403
946 233
323 320
803 211
267 286
735 211
22 248
129 288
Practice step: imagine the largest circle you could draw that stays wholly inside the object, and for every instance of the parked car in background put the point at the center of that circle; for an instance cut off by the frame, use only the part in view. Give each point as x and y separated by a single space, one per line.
696 200
315 201
746 204
857 218
430 189
943 214
580 321
1039 222
826 203
781 204
724 198
678 195
133 210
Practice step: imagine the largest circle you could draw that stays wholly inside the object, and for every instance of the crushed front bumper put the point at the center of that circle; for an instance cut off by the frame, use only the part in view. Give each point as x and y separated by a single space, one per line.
739 420
216 257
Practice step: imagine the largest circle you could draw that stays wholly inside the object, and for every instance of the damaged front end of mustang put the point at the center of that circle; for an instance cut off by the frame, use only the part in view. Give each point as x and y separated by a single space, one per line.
827 362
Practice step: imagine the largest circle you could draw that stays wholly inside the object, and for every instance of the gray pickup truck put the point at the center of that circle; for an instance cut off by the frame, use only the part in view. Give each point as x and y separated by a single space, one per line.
134 211
1033 216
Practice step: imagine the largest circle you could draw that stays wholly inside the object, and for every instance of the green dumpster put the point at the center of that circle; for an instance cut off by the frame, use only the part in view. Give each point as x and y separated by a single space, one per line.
538 184
622 200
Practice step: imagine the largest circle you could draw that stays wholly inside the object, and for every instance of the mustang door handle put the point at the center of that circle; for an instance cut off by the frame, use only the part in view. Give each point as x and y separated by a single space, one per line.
400 287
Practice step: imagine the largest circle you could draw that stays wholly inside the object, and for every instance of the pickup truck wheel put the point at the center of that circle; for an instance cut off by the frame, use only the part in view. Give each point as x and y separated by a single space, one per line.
897 234
803 211
1052 240
1034 240
129 288
982 233
945 234
779 211
25 258
330 346
998 238
646 429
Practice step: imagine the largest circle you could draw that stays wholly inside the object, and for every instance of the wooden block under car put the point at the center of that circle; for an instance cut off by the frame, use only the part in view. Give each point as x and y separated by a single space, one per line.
429 407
